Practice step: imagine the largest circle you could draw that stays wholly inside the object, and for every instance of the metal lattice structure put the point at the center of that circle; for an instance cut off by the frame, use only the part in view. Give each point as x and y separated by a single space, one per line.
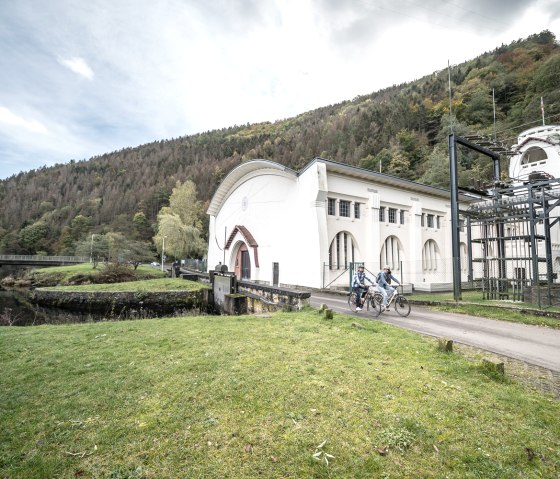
511 232
511 238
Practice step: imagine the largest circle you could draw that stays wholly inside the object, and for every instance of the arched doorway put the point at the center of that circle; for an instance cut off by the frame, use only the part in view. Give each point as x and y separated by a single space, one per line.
240 253
243 262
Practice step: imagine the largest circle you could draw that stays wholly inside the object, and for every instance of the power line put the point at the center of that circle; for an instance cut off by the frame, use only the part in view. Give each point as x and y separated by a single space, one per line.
529 123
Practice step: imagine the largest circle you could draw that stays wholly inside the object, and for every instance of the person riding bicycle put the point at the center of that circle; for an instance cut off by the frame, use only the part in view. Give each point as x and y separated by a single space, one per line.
359 285
384 279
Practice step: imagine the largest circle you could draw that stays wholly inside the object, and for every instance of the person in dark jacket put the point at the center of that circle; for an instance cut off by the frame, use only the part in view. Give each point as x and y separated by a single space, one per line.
384 279
359 285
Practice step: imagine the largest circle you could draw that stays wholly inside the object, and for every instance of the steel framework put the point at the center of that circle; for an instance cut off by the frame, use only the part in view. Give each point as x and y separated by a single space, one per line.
513 232
509 233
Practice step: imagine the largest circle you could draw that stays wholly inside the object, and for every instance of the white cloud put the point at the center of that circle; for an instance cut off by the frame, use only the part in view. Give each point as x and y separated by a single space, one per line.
77 65
7 117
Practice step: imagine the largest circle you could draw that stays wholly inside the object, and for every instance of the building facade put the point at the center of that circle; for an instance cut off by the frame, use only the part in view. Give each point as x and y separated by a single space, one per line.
274 225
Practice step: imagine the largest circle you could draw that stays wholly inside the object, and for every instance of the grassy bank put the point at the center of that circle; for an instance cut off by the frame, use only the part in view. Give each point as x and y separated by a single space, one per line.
474 304
290 395
86 273
153 285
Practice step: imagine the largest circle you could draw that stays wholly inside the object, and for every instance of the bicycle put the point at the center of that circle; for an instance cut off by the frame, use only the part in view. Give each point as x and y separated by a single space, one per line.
402 306
367 301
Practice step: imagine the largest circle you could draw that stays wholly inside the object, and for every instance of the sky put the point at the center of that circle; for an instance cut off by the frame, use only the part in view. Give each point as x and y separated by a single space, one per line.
83 78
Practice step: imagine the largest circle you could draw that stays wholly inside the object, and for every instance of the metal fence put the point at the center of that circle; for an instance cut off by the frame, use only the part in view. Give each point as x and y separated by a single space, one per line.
46 259
195 264
433 276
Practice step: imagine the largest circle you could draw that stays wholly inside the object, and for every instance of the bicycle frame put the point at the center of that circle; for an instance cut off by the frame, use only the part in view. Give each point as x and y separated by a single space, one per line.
396 293
370 291
397 299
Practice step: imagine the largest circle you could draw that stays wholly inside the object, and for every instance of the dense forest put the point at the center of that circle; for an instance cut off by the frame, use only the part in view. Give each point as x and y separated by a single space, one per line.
401 130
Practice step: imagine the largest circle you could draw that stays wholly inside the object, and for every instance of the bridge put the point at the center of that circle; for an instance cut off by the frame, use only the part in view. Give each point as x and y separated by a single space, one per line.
34 260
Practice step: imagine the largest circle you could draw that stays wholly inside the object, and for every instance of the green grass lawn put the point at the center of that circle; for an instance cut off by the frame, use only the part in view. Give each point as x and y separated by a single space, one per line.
270 397
155 285
85 272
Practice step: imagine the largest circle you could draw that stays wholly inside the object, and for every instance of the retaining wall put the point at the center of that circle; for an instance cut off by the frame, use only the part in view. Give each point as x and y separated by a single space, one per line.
107 302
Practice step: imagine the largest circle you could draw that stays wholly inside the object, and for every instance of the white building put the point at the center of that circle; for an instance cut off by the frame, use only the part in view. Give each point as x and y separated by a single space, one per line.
537 150
273 225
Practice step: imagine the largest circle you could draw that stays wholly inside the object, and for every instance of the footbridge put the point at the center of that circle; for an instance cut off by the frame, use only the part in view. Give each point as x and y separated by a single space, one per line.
35 260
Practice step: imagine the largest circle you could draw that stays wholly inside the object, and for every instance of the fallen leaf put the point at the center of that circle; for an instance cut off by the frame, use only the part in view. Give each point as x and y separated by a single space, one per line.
436 449
248 448
274 459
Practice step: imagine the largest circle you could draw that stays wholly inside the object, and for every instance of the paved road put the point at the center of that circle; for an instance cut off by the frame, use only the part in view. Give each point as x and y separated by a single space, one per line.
532 344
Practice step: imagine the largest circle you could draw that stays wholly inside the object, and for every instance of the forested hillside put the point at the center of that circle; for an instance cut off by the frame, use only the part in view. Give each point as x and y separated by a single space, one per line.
402 130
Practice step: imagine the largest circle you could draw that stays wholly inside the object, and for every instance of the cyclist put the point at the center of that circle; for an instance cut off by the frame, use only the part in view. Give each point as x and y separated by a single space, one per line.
359 285
384 279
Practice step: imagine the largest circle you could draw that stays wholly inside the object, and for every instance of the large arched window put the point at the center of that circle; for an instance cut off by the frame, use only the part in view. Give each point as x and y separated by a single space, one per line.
534 154
391 253
430 256
342 250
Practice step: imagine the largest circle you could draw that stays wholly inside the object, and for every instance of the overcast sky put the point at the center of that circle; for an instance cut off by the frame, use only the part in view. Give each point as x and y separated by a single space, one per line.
80 78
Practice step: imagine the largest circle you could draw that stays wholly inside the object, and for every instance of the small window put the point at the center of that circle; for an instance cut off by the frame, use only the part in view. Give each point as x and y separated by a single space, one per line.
331 206
438 224
392 215
423 220
401 217
430 219
382 214
357 210
344 208
461 225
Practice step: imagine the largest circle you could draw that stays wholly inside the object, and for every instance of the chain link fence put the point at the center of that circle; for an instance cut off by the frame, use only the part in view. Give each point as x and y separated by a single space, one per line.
195 264
435 276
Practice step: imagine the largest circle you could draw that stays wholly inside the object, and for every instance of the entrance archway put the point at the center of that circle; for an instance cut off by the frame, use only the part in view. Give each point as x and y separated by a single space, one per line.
240 253
243 262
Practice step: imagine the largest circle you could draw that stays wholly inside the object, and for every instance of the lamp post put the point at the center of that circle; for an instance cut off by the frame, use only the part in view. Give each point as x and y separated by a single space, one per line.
91 250
163 252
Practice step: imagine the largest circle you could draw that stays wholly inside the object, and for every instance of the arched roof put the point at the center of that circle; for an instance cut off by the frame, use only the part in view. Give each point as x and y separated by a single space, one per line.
238 173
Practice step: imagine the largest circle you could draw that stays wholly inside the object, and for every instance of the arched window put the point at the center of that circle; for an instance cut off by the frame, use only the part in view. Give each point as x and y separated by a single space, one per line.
534 154
342 250
430 256
391 253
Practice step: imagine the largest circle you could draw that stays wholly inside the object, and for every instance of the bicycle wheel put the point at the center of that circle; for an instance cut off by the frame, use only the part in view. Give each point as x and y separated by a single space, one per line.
402 306
352 301
375 304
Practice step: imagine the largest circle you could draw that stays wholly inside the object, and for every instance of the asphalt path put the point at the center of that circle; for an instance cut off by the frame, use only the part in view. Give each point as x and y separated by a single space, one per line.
532 344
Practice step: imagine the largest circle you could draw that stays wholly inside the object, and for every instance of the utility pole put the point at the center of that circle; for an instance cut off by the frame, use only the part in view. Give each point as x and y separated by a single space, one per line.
163 252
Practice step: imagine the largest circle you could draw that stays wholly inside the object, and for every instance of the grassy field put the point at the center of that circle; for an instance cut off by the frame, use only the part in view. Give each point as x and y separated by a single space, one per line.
290 395
155 285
